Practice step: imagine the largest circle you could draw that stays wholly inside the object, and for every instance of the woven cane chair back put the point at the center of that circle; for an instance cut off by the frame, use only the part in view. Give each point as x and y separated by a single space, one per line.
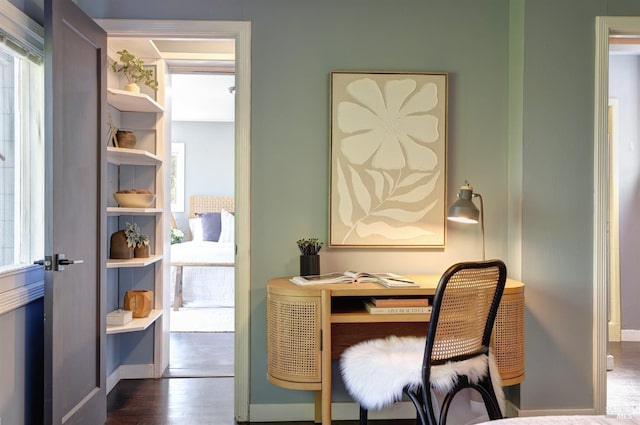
464 310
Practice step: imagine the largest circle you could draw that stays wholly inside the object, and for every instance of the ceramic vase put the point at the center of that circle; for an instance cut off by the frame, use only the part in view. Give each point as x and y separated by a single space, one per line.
118 248
132 87
309 265
126 139
141 251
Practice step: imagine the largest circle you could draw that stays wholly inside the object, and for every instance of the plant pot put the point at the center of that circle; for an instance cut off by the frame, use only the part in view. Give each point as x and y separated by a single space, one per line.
309 265
141 251
132 87
119 250
126 139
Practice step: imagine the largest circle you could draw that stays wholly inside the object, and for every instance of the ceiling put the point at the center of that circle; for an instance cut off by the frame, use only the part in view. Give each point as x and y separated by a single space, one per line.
202 74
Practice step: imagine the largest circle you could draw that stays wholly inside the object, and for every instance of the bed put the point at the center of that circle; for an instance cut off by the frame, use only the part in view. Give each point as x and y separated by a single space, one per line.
566 419
210 251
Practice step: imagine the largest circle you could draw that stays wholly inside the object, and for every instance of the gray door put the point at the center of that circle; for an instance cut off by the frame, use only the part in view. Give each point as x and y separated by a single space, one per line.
75 135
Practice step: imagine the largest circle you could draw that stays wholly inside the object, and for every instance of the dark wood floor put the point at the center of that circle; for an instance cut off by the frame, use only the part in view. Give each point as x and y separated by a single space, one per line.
623 382
187 396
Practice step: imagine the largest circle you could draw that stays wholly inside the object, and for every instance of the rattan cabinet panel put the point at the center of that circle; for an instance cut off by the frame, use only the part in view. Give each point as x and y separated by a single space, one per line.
509 339
293 338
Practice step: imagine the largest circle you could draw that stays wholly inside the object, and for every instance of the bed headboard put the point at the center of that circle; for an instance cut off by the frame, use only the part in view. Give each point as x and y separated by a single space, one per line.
207 203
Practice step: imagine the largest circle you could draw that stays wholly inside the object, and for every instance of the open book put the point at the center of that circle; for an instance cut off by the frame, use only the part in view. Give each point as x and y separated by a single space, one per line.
390 280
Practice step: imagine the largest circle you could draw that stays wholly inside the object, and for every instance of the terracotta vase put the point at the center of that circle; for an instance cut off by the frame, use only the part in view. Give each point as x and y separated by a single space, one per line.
141 251
126 139
119 250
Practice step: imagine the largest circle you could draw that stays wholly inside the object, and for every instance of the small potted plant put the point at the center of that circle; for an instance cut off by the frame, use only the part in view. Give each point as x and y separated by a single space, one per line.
137 241
176 235
309 258
134 71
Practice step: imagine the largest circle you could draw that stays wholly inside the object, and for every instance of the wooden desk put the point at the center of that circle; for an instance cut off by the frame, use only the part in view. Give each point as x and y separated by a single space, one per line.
308 326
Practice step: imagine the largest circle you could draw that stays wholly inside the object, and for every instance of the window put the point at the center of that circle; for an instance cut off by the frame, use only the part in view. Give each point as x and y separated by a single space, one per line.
21 149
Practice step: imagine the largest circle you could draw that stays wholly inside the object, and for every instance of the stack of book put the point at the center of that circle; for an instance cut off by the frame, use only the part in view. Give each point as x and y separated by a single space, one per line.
398 305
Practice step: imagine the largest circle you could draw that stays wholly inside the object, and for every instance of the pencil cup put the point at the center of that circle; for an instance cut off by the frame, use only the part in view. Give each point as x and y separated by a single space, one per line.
309 265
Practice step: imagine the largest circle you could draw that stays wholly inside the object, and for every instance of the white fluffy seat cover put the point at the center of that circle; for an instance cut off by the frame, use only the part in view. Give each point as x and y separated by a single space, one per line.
376 371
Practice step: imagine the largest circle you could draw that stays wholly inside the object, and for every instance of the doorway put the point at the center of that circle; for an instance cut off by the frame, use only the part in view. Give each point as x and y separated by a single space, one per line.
202 139
240 32
605 199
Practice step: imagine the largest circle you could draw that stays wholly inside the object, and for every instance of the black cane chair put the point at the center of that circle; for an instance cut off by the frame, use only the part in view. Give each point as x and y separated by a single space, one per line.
455 355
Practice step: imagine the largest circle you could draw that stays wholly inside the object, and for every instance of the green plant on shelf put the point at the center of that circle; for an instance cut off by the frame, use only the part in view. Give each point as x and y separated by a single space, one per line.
135 238
133 69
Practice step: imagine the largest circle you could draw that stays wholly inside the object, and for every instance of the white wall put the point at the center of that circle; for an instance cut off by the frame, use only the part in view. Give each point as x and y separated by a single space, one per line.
209 161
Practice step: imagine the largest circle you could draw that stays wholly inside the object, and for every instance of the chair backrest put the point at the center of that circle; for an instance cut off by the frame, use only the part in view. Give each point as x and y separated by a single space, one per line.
464 311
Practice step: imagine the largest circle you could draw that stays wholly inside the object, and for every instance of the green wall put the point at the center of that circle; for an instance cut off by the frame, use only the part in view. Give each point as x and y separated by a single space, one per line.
521 93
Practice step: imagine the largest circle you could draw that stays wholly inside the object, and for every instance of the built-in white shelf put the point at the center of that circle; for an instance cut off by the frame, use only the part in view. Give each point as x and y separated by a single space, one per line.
115 211
133 262
124 156
135 324
126 101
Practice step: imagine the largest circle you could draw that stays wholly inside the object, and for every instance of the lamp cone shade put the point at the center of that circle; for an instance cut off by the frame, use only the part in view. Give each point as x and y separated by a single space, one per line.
464 210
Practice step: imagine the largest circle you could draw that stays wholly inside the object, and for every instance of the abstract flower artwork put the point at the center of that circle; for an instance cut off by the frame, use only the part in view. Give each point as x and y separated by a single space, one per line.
388 159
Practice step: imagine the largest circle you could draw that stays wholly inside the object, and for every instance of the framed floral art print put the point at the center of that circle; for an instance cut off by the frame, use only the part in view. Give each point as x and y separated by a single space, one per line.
388 159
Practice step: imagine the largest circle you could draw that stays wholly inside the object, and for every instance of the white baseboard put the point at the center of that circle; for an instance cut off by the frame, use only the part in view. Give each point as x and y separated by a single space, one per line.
631 335
556 412
614 331
349 412
112 380
136 371
339 412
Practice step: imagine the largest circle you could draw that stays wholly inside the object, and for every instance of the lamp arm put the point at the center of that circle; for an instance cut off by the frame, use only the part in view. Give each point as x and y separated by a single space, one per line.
481 223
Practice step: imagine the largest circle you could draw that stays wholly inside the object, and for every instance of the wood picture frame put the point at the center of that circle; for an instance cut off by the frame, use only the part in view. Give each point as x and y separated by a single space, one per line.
177 180
388 159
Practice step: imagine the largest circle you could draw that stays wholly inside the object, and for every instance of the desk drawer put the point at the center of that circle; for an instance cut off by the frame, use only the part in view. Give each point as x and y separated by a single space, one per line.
344 335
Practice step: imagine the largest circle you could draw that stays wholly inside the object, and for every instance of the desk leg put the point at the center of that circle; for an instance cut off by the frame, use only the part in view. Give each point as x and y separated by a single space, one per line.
318 406
177 294
326 357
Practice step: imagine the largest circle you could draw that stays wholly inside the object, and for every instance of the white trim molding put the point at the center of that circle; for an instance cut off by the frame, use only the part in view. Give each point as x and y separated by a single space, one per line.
631 335
605 25
21 31
20 296
240 31
136 371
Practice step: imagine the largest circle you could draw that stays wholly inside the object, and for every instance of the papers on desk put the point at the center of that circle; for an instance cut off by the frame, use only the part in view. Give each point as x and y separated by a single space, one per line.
389 280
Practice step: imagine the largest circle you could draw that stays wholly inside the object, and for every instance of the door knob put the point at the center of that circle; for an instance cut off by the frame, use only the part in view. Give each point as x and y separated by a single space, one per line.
61 260
66 262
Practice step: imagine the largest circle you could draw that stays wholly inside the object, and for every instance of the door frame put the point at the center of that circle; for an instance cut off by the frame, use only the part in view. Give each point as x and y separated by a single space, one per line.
605 25
241 32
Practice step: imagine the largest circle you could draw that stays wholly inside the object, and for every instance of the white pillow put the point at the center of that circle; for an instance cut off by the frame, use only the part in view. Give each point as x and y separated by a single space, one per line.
195 226
227 228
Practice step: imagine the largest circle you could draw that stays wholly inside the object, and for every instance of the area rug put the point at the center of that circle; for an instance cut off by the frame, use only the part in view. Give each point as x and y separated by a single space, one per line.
203 319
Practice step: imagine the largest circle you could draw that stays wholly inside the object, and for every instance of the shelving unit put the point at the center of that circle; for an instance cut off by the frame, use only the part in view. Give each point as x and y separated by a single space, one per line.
136 324
133 262
122 156
143 167
114 211
126 101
